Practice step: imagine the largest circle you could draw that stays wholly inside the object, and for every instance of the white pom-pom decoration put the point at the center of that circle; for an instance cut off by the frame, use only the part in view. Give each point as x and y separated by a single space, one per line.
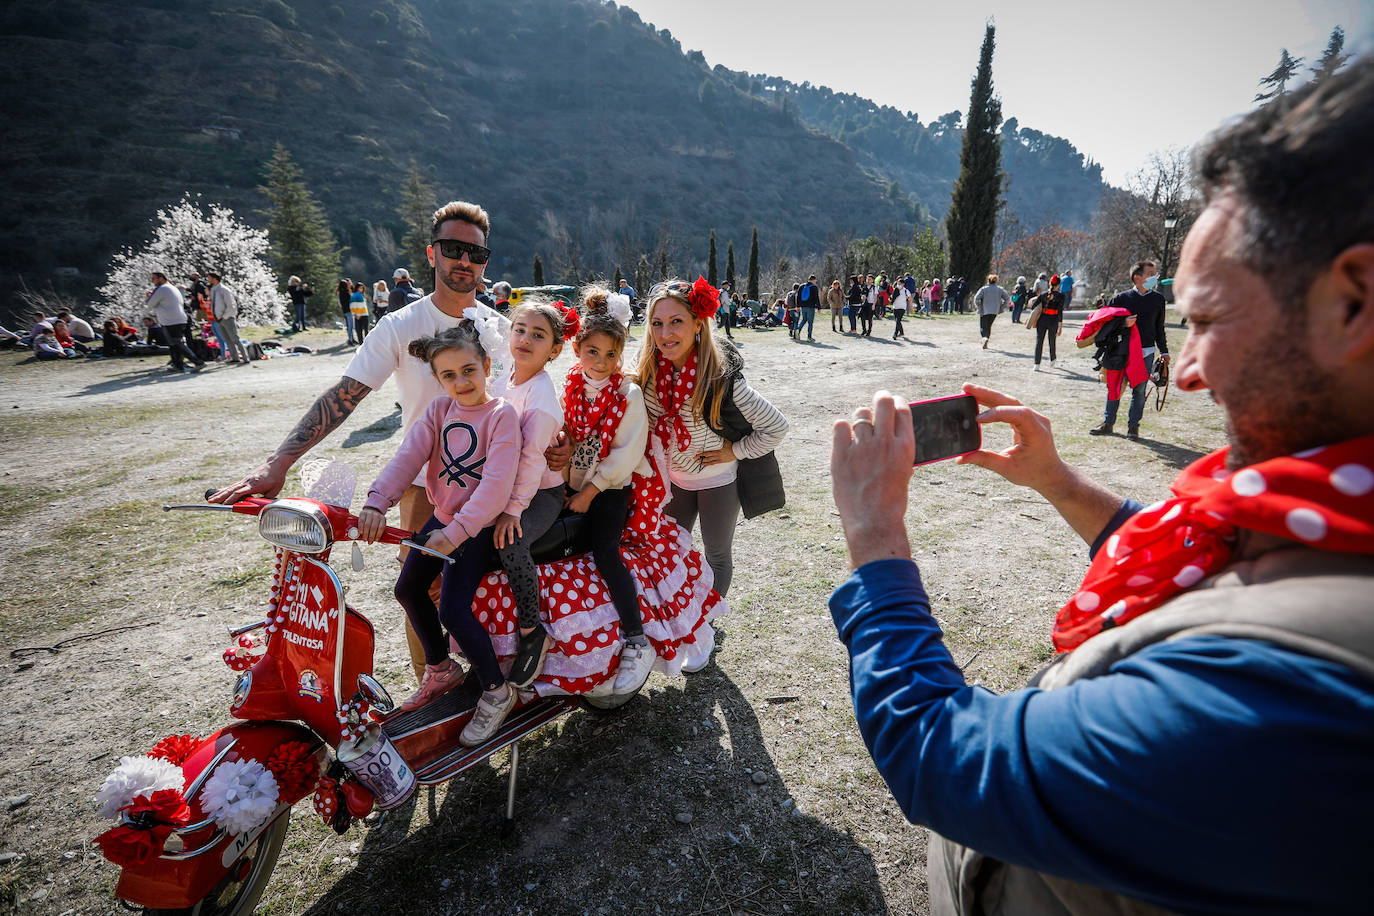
137 776
239 795
618 305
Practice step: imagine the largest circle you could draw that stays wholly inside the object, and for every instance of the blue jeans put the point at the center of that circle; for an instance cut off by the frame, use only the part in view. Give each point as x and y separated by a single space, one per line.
299 323
808 321
1137 411
223 341
348 320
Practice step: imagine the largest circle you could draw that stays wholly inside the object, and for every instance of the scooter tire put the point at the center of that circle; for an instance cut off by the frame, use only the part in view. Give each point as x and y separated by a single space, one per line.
245 899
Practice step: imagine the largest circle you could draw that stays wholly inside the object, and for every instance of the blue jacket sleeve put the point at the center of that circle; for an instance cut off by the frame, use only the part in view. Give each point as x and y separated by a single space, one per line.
1157 780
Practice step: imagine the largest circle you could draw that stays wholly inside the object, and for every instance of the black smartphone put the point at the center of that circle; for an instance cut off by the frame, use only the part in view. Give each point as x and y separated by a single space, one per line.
945 428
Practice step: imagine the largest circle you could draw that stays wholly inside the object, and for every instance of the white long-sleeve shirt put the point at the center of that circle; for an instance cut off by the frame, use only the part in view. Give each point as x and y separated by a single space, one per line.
685 468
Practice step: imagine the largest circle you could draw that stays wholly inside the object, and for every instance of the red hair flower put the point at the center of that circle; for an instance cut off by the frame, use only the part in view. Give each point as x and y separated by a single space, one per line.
295 768
175 749
151 820
572 322
704 299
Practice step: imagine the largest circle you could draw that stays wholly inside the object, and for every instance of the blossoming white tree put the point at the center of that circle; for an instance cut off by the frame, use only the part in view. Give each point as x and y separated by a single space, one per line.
187 237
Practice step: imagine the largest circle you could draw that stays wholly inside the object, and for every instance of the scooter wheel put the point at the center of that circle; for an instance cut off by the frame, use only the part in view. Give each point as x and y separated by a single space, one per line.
238 892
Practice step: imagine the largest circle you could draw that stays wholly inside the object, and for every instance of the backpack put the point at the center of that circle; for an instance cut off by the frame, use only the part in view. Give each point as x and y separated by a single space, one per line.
413 293
805 294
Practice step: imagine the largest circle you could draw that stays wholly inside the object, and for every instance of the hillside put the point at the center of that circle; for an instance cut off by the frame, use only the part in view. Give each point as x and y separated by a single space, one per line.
590 136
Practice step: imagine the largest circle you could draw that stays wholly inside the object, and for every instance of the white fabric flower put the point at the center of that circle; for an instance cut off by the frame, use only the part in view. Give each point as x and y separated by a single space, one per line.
239 795
618 305
137 776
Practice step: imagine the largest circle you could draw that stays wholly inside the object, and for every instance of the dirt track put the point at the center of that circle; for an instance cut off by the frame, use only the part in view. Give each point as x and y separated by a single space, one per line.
786 813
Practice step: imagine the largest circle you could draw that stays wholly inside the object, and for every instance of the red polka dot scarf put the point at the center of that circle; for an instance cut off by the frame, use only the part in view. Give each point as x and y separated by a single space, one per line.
602 415
1323 497
674 397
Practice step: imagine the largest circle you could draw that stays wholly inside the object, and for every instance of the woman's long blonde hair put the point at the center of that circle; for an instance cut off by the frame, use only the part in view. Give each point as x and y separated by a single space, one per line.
710 365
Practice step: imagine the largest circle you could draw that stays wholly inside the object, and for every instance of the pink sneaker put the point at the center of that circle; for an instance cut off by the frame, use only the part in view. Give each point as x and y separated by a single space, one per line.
438 680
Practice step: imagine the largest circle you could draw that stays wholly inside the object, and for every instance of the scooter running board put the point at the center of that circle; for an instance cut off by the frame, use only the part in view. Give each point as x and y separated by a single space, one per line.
521 722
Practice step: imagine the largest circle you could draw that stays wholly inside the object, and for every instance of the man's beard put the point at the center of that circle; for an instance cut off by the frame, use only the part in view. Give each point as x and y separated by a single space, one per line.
459 284
1285 405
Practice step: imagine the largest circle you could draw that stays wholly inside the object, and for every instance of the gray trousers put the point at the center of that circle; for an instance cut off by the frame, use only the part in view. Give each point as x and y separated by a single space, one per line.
719 511
229 327
537 518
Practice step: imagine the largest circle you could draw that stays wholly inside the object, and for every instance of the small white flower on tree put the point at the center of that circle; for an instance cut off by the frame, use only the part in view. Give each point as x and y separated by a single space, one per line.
189 237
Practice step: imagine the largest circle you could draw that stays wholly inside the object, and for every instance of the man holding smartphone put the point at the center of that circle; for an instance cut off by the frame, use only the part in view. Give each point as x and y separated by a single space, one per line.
1201 742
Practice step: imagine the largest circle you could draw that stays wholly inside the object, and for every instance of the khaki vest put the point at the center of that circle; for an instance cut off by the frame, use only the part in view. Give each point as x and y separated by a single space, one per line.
1314 602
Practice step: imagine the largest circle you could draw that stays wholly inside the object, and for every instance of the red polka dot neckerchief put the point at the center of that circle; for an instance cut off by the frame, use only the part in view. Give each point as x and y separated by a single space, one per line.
1323 497
603 415
674 395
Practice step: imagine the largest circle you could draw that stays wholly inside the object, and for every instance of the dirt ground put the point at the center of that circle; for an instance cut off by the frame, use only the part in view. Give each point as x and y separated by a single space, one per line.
745 788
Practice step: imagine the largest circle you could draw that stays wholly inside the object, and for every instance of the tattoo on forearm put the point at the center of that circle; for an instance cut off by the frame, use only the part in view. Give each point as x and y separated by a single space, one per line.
323 417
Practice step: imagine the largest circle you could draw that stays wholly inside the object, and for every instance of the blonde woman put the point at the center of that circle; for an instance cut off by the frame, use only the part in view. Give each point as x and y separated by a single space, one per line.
380 295
718 433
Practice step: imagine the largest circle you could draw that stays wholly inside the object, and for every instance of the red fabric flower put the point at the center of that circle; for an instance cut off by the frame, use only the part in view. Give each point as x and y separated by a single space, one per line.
176 749
152 820
295 768
572 322
704 299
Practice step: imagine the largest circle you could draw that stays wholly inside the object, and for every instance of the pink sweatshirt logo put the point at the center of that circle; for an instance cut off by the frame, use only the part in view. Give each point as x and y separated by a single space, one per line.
455 470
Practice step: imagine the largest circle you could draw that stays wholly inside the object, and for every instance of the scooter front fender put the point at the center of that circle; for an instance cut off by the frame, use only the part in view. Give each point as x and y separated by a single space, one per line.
182 878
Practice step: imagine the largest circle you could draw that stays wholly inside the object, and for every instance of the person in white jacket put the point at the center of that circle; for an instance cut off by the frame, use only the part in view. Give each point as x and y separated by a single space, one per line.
225 307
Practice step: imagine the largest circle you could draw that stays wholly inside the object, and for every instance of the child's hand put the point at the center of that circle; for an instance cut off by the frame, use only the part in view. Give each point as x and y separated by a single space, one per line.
371 524
438 541
581 501
507 530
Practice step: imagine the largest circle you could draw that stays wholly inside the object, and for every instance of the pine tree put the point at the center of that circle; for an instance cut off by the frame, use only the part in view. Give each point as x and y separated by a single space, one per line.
298 233
711 262
972 219
753 290
730 265
1278 80
1333 58
418 203
829 269
642 269
538 272
618 276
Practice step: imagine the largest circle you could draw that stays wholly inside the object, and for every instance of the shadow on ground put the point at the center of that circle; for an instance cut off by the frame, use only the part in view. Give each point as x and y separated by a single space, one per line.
599 825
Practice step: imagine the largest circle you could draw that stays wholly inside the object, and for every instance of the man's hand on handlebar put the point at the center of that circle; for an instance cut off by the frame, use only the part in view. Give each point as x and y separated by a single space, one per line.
371 524
265 480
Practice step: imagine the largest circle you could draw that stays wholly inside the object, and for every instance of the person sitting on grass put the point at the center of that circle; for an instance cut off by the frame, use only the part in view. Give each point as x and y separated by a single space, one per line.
46 346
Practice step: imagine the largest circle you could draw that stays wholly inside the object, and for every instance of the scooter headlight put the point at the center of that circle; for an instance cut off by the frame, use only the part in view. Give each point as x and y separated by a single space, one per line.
297 525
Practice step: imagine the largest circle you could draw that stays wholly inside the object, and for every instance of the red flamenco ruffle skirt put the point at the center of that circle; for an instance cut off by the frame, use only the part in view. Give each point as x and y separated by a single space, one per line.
676 601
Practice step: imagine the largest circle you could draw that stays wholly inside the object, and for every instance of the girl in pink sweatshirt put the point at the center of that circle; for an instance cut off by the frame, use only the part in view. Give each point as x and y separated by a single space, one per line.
469 444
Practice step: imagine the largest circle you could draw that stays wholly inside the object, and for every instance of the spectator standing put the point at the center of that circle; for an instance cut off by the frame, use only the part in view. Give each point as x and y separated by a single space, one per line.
1066 287
808 299
989 300
225 307
406 292
344 293
1019 295
868 306
854 302
167 306
937 295
1146 304
357 304
834 300
724 312
1042 285
380 298
298 292
1051 321
500 291
901 302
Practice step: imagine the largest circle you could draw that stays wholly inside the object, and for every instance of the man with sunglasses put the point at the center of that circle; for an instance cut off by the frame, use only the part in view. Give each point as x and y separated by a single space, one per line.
458 254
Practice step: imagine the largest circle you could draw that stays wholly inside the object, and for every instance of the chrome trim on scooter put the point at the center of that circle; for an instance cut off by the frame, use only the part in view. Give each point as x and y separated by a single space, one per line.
200 508
429 550
339 702
247 628
211 846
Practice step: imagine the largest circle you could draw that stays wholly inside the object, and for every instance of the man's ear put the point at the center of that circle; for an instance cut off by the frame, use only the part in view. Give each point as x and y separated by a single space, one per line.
1346 295
429 253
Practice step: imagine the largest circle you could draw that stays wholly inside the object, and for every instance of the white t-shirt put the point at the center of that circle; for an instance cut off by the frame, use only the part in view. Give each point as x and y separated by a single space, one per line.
383 353
901 299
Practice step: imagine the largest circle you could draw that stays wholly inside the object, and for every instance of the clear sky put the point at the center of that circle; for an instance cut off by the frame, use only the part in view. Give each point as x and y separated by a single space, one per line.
1117 79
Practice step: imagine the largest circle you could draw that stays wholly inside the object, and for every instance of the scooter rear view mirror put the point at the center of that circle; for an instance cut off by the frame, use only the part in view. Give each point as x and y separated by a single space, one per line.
375 694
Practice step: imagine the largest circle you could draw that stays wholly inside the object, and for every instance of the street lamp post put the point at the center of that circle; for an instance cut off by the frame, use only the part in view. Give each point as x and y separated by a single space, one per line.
1169 223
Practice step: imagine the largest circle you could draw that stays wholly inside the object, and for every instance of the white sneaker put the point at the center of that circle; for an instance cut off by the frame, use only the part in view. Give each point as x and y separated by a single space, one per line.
1035 368
487 717
1051 364
636 661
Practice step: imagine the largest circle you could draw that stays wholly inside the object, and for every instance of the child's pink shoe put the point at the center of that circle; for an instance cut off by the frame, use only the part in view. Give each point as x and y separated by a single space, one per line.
438 680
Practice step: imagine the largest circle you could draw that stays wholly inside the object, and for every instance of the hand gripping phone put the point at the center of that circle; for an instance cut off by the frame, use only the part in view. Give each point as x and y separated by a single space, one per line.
945 428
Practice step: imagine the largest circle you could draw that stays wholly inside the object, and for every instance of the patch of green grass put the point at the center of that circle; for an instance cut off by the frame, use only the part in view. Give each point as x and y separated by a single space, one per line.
17 500
253 575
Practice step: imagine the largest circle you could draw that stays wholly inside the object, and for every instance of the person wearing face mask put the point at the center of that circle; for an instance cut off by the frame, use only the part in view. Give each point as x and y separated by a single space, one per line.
1146 305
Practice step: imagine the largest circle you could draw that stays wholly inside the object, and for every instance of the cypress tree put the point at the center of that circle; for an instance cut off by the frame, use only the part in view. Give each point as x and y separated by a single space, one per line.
972 219
711 262
1277 81
418 203
618 277
1333 58
730 265
753 289
298 233
538 272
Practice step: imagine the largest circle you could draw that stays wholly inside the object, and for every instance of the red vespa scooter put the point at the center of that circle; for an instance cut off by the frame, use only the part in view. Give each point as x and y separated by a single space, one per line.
203 820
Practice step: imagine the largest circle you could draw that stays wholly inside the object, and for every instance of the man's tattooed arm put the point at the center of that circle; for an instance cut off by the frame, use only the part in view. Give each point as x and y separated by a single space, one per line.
323 417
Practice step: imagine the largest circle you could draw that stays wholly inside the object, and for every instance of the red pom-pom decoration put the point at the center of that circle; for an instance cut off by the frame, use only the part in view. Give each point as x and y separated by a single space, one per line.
704 299
295 768
175 749
572 321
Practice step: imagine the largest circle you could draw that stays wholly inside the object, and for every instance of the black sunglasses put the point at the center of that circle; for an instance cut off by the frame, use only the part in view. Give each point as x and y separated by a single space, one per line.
452 248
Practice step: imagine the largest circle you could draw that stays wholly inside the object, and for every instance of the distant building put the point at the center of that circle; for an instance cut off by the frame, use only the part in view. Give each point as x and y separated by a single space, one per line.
222 133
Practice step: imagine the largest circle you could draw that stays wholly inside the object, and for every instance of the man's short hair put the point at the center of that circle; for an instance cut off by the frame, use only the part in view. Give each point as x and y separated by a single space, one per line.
1139 267
501 289
157 273
812 277
464 212
211 273
64 314
1299 167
